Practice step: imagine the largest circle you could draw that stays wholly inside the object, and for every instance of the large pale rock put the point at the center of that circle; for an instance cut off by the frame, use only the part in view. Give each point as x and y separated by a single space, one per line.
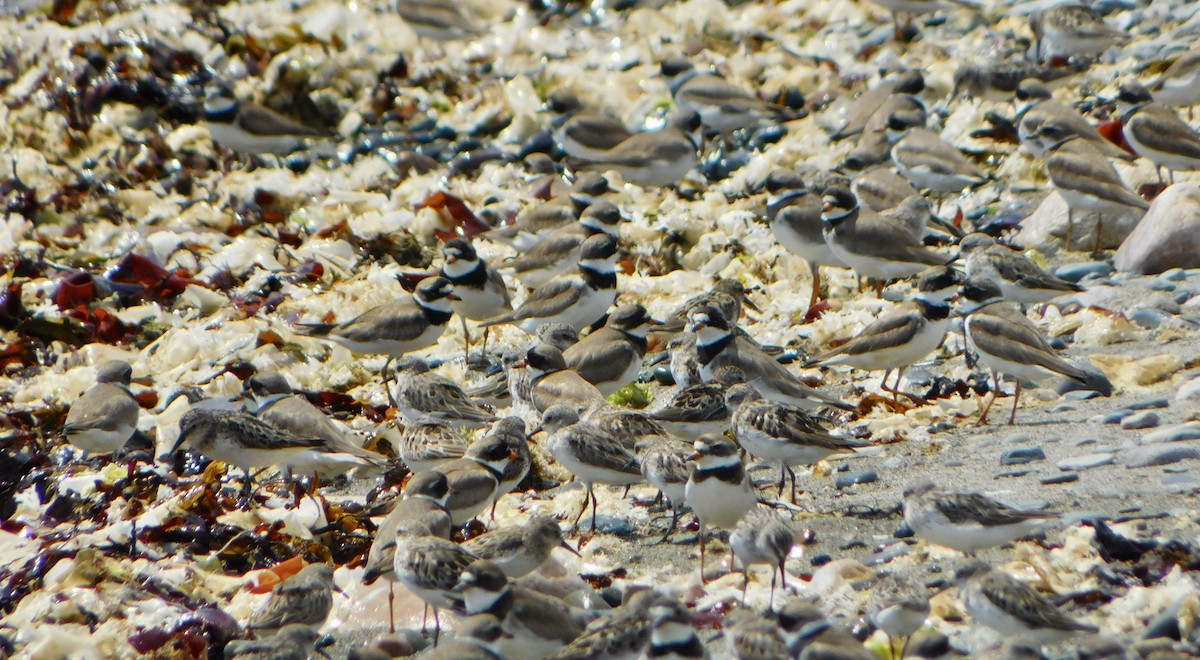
1046 228
1168 237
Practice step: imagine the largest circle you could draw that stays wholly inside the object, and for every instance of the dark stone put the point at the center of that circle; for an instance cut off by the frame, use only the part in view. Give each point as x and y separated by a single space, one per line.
1022 455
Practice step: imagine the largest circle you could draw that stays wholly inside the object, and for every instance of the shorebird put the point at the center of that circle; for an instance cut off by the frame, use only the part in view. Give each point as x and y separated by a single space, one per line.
425 395
535 625
558 252
966 522
552 382
439 20
876 246
762 536
700 408
305 598
518 551
611 357
583 134
1008 343
589 453
927 160
481 290
1020 279
1179 85
240 439
1083 177
475 478
674 634
1011 607
1073 30
397 328
718 345
294 641
664 464
1156 132
428 444
578 299
794 215
895 92
654 158
753 636
250 128
775 431
899 608
430 567
719 489
721 105
476 638
1035 106
623 635
727 295
904 336
537 221
104 417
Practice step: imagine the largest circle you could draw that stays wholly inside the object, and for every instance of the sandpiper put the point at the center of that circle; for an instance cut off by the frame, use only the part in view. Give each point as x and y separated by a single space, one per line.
428 444
721 105
1035 106
699 408
425 395
430 567
654 158
1073 30
589 453
1179 85
306 598
664 464
1012 607
294 641
476 638
440 20
1020 279
762 536
898 607
727 295
518 551
966 522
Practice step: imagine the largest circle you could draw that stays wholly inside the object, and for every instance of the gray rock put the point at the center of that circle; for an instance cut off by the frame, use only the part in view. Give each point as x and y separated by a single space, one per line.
1148 404
853 478
1146 419
1084 270
1008 474
1160 454
1176 433
1162 285
1174 275
1063 407
1046 228
1189 390
1085 462
1016 438
1168 236
1064 478
1022 455
1113 417
1147 317
1182 295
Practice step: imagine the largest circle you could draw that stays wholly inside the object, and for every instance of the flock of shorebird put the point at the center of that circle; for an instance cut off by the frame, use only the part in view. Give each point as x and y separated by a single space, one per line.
731 397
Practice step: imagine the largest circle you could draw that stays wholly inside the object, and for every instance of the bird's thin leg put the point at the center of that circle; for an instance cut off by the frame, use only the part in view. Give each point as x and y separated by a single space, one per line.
995 393
745 583
437 626
383 375
815 296
584 509
782 478
1012 418
702 579
1099 234
674 521
466 343
486 331
904 646
391 607
425 619
1070 223
595 507
771 603
792 474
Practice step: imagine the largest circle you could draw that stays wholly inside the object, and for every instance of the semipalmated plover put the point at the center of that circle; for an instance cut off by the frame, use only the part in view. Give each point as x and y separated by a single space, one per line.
928 161
557 253
718 345
395 328
1011 607
904 336
1021 280
902 84
654 158
783 433
578 299
105 416
535 625
250 128
794 215
537 221
1156 133
674 634
721 105
1008 343
966 522
880 189
611 357
440 20
719 489
581 133
1083 177
480 288
474 479
475 638
876 246
551 382
1035 106
586 451
998 81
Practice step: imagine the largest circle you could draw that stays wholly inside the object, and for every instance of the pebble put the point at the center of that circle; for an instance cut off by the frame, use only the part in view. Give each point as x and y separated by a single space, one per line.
1020 472
1085 462
1183 295
894 294
1162 285
1113 417
1064 478
895 463
1081 395
1144 420
1147 318
1017 438
1084 442
852 478
1175 433
903 531
1147 404
1080 271
820 560
1022 456
1173 275
887 554
1189 390
1159 454
1063 407
1181 482
954 464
